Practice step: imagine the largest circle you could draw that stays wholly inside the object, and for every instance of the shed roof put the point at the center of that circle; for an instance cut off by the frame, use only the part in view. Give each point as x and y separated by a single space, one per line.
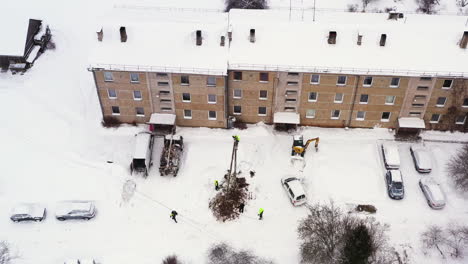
411 122
142 142
162 119
14 32
286 118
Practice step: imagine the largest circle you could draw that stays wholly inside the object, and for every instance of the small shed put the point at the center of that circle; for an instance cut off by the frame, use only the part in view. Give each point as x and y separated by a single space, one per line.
410 126
286 120
162 124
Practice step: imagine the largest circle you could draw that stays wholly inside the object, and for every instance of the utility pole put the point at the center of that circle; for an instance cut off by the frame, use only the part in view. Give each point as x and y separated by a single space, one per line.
314 10
232 174
290 10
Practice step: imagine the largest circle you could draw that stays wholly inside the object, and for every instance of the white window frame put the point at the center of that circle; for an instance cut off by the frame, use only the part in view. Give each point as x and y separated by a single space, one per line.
163 83
447 88
112 97
234 110
234 94
207 82
212 118
309 116
367 85
182 83
338 79
259 111
463 104
138 77
112 109
460 123
187 101
137 98
260 77
335 118
187 117
393 101
342 98
366 102
166 109
311 76
111 75
360 118
395 86
234 76
386 120
292 83
215 99
312 100
441 105
260 95
140 115
415 114
435 122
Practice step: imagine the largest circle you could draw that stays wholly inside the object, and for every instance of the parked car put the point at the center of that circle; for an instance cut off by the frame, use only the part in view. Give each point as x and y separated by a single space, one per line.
434 195
82 261
395 187
294 189
391 156
28 212
422 159
75 210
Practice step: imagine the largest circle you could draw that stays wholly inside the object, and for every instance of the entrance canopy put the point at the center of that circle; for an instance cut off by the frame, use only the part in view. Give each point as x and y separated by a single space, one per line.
286 118
411 122
162 119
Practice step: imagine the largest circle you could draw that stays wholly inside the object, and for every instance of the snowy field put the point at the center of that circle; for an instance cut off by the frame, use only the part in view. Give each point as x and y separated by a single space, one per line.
53 148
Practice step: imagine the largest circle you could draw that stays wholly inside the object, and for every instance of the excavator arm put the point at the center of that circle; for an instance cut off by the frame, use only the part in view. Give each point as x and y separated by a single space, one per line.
317 139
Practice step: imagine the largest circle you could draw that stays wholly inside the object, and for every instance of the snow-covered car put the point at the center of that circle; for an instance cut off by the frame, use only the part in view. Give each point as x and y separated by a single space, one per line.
395 187
294 189
422 159
391 156
434 195
28 212
75 210
82 261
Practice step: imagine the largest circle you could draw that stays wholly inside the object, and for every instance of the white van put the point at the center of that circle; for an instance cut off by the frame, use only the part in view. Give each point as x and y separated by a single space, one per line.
142 156
391 156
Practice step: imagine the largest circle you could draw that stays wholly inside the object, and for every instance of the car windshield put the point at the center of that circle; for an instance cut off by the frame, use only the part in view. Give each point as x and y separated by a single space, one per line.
398 185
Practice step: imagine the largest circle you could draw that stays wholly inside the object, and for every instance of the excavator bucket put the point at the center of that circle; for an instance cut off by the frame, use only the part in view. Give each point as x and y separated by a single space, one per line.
298 163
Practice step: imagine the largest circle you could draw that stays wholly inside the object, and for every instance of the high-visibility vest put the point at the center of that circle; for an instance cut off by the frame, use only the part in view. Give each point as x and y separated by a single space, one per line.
260 211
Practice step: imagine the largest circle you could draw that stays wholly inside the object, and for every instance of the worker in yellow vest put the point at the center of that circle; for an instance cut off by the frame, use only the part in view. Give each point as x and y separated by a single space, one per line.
260 214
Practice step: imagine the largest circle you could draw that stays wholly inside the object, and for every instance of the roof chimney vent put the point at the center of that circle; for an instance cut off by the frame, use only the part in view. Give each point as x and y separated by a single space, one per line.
464 40
100 35
252 35
199 38
359 39
123 34
332 37
383 39
223 40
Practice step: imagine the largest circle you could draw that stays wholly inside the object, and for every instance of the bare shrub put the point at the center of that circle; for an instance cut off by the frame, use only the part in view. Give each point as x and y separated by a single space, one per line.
5 253
226 203
352 8
450 241
365 3
222 253
458 168
171 260
111 121
240 125
462 3
246 4
427 6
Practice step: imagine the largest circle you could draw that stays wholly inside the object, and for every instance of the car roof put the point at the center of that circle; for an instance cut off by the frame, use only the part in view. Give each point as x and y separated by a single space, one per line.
396 176
68 206
27 208
392 157
434 188
296 186
422 155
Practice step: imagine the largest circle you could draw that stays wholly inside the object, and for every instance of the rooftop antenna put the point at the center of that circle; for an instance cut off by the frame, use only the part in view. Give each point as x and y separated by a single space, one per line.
302 4
314 10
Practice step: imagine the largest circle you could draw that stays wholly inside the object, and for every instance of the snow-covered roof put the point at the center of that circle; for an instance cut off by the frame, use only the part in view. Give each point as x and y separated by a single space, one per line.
392 157
415 45
142 142
411 122
162 41
14 32
65 207
286 118
162 119
396 176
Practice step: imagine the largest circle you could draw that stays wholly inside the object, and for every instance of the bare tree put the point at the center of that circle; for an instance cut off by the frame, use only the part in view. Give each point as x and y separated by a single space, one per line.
365 3
427 6
5 253
457 240
458 168
246 4
433 237
462 3
222 253
449 241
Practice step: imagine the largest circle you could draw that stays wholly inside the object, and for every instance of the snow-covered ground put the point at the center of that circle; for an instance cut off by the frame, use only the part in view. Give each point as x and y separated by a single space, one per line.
53 148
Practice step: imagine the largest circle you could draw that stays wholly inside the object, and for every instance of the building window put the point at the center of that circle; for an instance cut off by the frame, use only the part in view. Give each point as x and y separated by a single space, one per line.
315 79
264 76
112 94
237 110
134 77
310 113
210 81
292 83
291 92
425 78
161 74
313 96
364 99
186 97
140 111
338 98
137 96
335 114
262 111
390 99
447 84
395 82
435 118
367 81
263 95
441 101
165 109
341 80
465 102
108 77
415 114
361 115
422 88
293 74
165 100
163 83
290 100
237 93
290 109
184 80
385 116
187 114
419 97
115 110
238 76
460 120
417 105
211 115
212 98
163 93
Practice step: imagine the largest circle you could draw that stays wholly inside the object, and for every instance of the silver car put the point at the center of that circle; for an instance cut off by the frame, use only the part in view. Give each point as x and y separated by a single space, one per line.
75 210
434 195
28 212
422 159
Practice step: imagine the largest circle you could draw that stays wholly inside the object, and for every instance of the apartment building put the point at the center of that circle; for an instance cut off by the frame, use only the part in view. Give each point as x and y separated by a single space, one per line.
259 66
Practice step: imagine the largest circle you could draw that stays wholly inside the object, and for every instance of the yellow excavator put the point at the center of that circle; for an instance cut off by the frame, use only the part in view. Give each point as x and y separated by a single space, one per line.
299 149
